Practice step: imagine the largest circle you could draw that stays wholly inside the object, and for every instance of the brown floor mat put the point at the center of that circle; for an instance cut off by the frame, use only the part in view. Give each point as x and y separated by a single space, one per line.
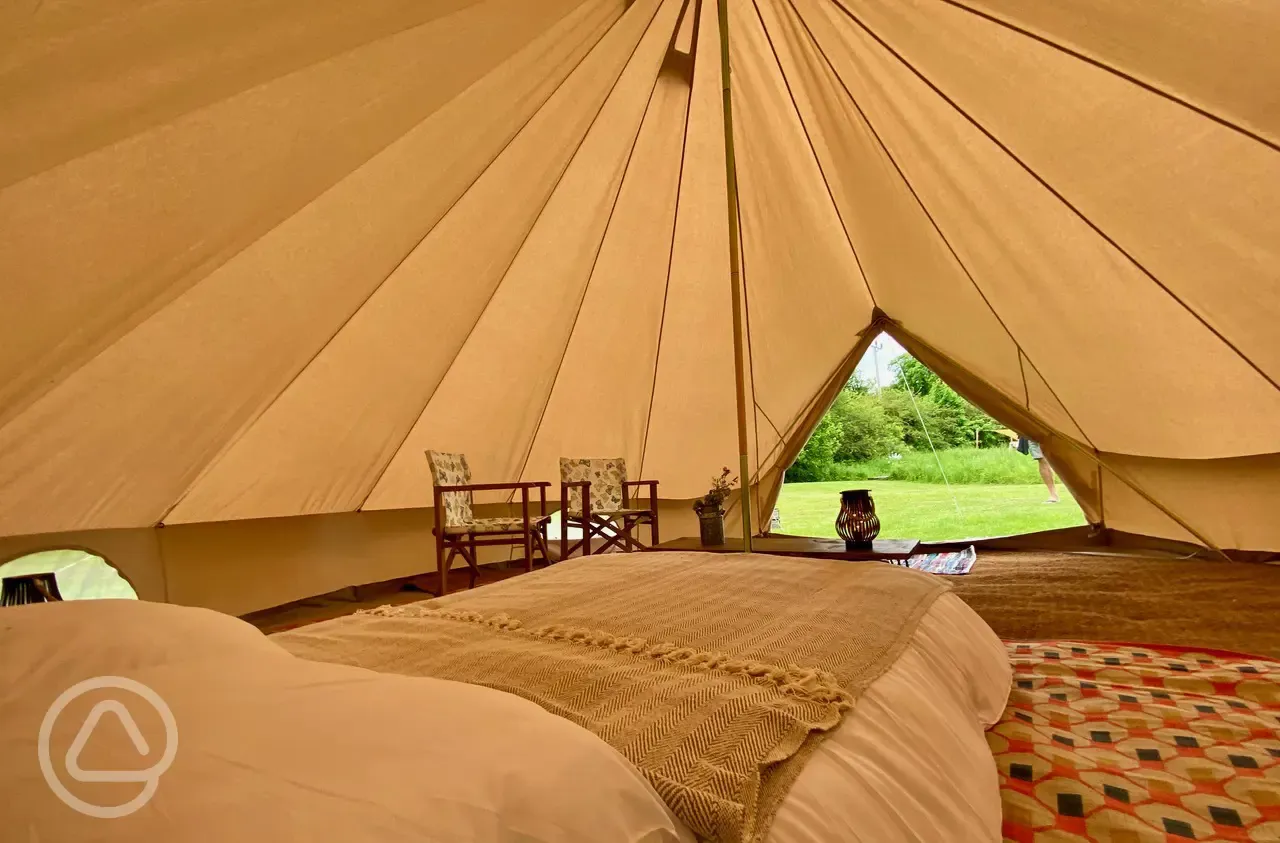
1034 596
1191 603
316 609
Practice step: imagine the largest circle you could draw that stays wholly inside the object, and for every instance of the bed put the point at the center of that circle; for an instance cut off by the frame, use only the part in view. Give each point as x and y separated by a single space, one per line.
820 693
300 748
291 737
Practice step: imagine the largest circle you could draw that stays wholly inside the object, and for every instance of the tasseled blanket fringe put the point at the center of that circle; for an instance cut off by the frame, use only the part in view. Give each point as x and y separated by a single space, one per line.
800 682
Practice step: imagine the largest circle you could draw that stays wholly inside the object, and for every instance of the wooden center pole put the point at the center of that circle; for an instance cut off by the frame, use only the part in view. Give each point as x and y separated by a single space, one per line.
735 273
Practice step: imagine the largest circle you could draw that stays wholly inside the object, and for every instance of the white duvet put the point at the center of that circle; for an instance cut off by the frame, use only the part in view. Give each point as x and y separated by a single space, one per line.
275 748
909 762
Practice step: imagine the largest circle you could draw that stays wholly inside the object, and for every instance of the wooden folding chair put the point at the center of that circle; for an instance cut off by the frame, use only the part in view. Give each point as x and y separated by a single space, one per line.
457 529
596 497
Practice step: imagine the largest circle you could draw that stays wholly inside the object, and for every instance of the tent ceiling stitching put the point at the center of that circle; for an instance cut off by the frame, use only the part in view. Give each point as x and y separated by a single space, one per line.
258 258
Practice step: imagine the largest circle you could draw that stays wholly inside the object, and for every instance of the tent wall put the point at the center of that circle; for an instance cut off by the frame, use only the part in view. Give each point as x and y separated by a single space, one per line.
243 566
134 553
1231 504
257 255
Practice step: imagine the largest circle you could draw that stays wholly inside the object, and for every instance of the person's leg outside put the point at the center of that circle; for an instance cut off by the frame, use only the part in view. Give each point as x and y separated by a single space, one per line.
1046 472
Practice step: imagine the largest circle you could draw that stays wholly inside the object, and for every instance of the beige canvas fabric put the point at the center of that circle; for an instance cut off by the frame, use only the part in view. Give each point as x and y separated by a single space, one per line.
256 257
647 653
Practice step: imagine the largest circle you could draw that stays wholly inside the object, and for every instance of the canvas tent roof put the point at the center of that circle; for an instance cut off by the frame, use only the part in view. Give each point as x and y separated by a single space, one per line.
257 255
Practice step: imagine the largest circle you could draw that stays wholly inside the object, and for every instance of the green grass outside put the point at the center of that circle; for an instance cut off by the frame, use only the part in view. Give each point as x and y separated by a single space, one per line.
925 510
80 575
961 465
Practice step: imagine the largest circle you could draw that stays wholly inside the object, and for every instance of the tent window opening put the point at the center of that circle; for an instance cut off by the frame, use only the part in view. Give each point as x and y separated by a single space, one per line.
68 574
938 467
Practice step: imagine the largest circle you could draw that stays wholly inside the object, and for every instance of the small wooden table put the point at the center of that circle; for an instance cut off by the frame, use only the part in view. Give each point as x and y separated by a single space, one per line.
884 550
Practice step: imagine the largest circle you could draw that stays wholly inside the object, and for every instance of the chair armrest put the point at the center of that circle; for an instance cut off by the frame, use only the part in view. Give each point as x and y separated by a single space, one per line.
493 487
627 485
585 500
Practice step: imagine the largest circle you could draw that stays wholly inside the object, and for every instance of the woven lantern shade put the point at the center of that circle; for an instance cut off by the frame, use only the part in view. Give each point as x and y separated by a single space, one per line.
29 588
857 522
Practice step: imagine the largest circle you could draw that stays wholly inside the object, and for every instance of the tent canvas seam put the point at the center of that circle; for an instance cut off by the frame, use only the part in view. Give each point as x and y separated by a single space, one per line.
1128 77
841 372
746 328
604 235
817 160
768 419
311 65
750 361
675 225
205 272
875 325
1095 455
1026 389
1062 199
240 434
542 209
1177 519
937 228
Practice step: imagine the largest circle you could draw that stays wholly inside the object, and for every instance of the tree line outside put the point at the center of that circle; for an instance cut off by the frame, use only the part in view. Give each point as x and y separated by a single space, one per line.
887 434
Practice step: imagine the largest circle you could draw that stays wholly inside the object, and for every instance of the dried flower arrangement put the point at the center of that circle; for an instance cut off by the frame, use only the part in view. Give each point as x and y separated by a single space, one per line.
711 502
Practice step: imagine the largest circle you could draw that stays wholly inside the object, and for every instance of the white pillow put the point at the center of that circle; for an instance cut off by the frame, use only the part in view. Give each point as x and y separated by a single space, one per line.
271 747
71 640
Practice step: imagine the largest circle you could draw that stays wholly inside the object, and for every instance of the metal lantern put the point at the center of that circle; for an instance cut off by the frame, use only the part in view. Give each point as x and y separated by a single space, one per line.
857 523
711 527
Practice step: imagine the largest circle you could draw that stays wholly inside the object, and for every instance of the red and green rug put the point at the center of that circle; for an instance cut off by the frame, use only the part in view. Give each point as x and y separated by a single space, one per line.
1119 743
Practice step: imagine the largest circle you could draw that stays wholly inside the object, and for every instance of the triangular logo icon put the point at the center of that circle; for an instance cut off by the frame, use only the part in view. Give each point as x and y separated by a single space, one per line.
82 737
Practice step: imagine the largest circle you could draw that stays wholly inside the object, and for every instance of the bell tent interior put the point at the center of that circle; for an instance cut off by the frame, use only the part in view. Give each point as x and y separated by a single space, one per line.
279 274
258 257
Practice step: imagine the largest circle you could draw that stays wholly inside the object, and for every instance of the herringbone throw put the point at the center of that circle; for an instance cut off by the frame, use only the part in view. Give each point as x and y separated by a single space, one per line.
716 675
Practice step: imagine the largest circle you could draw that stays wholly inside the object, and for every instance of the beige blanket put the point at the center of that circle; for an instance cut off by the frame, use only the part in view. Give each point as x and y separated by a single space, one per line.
715 675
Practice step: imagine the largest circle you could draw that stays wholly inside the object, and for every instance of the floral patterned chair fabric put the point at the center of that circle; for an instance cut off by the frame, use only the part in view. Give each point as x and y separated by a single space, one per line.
606 476
452 470
609 514
489 525
460 532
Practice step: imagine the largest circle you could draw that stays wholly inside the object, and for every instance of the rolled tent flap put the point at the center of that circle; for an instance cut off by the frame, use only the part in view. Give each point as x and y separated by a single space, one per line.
256 257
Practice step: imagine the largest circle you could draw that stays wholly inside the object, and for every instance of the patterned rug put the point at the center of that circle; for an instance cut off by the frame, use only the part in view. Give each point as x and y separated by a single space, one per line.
1118 743
954 562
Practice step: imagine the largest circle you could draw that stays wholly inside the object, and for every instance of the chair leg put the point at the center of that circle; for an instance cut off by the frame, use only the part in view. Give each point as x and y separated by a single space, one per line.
653 527
628 529
590 531
568 548
642 521
473 560
626 540
618 539
442 565
628 535
540 542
